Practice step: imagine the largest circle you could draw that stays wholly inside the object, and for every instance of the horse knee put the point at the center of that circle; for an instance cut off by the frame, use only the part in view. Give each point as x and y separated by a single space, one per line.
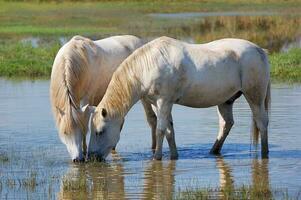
262 123
169 135
227 125
152 120
160 133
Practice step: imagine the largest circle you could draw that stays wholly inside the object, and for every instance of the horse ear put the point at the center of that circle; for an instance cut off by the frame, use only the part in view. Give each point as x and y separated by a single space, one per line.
87 108
104 112
60 111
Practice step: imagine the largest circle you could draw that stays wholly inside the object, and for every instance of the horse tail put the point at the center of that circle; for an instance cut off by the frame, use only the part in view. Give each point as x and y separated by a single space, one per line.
267 100
267 106
68 67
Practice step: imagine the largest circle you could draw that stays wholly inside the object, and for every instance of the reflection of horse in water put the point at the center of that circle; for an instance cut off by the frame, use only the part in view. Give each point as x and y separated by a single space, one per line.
225 174
260 178
94 181
159 180
260 183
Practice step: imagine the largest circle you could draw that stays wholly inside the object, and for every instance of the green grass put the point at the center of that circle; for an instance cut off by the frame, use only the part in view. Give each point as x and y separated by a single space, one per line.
93 18
50 20
286 66
21 60
4 158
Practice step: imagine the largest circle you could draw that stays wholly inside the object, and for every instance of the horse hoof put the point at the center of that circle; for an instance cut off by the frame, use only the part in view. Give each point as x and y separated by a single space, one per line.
174 157
157 157
264 155
215 151
153 150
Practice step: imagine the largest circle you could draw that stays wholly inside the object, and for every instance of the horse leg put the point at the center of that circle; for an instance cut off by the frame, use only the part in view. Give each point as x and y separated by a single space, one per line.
84 101
225 113
163 113
170 136
84 146
152 121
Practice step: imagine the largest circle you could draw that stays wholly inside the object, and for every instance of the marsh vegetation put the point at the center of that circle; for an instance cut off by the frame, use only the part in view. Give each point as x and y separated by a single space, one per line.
31 38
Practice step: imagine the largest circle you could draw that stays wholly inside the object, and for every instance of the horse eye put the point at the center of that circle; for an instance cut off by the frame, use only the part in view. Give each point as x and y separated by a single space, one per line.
99 132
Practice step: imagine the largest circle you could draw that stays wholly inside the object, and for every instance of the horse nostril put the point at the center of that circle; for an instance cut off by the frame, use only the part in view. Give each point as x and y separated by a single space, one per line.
76 160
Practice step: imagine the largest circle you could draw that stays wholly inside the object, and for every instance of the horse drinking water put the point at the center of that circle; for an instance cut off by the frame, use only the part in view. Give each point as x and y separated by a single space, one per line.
167 71
80 75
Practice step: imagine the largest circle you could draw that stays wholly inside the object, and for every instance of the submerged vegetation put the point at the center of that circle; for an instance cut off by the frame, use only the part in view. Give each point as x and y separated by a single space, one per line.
241 193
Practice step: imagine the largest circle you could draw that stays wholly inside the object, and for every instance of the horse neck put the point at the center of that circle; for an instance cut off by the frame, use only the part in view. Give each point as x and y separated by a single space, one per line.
123 92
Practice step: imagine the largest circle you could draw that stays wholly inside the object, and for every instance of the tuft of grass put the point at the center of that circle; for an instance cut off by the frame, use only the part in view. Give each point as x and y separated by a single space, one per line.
286 66
4 158
243 192
30 182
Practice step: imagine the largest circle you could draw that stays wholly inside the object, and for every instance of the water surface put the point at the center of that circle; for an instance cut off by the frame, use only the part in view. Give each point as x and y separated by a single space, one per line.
210 14
35 164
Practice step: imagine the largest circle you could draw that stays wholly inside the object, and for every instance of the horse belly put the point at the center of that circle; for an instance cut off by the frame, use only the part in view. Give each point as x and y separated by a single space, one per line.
203 93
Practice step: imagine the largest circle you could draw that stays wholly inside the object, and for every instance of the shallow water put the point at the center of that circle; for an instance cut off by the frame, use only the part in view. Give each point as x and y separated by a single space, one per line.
209 14
35 164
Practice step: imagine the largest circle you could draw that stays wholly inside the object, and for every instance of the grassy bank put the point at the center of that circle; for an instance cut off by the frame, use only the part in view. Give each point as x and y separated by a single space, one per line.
49 21
20 60
115 17
23 60
286 67
270 24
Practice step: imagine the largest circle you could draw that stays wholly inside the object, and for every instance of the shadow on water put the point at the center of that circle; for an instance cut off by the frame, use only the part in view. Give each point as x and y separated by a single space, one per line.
200 151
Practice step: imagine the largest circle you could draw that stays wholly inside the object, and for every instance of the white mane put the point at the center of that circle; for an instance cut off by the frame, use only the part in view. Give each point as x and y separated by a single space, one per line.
67 69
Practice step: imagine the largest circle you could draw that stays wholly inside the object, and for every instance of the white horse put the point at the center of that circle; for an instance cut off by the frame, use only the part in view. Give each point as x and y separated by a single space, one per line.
80 75
167 71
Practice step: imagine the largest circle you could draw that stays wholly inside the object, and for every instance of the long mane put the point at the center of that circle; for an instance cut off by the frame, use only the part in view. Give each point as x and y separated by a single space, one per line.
69 66
126 84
